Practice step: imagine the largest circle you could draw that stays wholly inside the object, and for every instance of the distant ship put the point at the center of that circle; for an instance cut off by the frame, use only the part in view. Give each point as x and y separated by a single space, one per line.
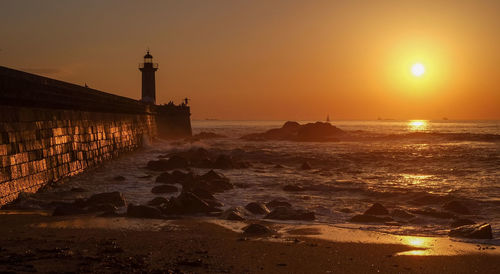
328 118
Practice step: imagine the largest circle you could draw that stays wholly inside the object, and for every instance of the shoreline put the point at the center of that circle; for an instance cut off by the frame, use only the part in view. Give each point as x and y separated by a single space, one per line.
96 244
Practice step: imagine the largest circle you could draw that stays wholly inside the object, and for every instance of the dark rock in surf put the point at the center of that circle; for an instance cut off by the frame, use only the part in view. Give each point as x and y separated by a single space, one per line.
207 196
457 207
364 218
158 201
377 209
235 214
115 198
143 211
164 189
287 213
293 188
257 208
257 230
276 203
212 182
187 203
461 222
476 231
119 178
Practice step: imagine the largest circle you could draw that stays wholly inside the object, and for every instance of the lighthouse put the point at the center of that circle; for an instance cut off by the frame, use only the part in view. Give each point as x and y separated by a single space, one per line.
148 69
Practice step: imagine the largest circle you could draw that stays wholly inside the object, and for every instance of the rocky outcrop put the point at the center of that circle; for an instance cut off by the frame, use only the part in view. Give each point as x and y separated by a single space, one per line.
235 214
187 203
257 208
293 131
257 230
164 189
476 231
377 209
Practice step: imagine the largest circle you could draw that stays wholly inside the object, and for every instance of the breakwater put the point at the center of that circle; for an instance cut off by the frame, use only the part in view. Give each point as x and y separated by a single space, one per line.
51 129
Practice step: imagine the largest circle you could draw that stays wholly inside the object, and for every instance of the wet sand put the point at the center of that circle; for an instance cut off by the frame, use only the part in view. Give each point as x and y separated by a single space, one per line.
88 244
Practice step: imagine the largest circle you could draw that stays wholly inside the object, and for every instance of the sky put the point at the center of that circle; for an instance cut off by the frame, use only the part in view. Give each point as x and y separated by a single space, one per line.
271 59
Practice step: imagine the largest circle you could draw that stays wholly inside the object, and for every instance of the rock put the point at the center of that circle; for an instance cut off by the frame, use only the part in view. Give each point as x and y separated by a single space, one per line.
119 178
68 209
305 166
431 212
276 203
457 207
143 211
115 198
278 166
364 218
164 189
157 201
212 175
173 162
223 162
257 230
234 214
211 182
401 214
165 178
476 231
207 197
377 209
102 208
187 203
287 213
257 208
293 188
345 210
293 131
461 222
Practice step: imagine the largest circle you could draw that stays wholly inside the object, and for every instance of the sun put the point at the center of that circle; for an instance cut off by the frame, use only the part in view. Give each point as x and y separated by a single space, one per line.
418 69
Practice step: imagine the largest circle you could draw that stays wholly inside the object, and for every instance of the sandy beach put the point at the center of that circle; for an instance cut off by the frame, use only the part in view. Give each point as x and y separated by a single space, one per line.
38 243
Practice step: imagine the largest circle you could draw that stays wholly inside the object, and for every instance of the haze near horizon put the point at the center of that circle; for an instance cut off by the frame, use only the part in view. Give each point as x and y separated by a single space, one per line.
271 60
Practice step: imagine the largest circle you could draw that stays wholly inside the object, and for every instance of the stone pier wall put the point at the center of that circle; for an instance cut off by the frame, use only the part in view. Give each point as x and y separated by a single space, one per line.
39 146
51 129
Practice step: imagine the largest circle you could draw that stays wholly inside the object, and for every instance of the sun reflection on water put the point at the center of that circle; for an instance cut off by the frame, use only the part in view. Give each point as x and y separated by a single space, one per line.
424 245
418 125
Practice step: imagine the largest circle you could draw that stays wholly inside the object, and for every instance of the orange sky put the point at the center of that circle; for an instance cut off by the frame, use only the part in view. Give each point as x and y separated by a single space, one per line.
266 60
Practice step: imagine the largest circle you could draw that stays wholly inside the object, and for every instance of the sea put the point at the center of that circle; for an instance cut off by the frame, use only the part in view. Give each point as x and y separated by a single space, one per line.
410 165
